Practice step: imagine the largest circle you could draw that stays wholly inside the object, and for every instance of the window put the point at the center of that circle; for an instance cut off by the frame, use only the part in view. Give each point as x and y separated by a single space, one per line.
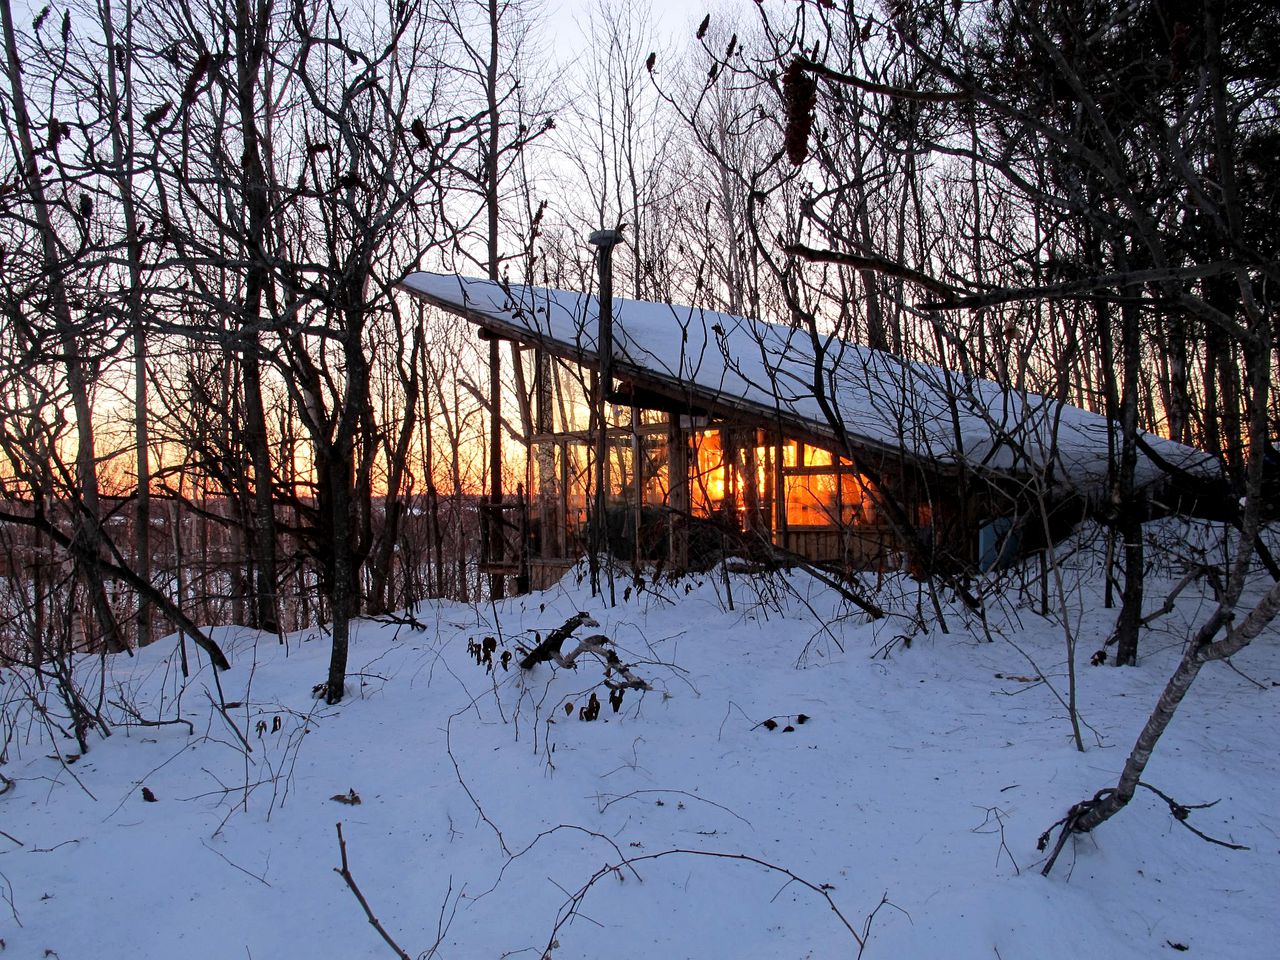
822 491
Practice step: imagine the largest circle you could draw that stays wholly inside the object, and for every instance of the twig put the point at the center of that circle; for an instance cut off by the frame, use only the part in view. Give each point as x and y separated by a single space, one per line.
443 925
1235 669
232 863
448 746
994 813
571 907
684 793
8 898
727 710
542 836
1073 714
1181 811
345 873
1168 605
230 723
55 846
139 720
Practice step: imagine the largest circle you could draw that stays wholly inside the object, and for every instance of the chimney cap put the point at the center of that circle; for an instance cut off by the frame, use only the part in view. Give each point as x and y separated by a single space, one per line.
605 238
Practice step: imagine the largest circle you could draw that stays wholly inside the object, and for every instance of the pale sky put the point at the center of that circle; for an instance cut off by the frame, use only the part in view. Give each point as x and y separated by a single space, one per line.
567 20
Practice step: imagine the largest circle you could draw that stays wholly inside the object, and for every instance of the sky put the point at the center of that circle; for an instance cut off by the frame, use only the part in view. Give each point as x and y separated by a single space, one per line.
567 19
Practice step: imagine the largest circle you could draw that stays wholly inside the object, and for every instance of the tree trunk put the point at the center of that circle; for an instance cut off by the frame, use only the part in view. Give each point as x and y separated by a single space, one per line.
120 92
250 50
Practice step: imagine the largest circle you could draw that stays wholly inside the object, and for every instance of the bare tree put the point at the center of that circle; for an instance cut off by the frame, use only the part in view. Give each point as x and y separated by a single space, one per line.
1143 168
49 205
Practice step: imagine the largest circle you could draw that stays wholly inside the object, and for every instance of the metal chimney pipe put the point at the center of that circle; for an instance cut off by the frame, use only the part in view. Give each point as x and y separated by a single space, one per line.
604 241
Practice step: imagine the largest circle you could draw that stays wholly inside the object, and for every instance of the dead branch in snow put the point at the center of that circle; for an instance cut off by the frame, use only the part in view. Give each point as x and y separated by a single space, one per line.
572 906
549 648
996 815
231 863
344 872
7 895
596 646
136 718
542 836
1181 811
605 800
1167 607
448 746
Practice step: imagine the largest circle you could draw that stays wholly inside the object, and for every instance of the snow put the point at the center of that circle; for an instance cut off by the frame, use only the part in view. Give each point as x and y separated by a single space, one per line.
924 774
883 402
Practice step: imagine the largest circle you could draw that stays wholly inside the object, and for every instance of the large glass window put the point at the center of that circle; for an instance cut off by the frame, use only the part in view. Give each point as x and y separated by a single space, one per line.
823 491
826 499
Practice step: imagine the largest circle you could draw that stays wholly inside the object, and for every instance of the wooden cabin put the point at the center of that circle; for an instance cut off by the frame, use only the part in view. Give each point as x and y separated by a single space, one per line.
726 436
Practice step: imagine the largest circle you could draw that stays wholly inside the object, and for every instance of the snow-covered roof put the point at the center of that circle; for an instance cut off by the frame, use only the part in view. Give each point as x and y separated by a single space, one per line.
885 404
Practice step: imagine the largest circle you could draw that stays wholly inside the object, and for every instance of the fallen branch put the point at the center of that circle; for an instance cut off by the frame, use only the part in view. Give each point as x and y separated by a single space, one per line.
405 620
549 648
596 645
136 719
996 814
1167 607
344 872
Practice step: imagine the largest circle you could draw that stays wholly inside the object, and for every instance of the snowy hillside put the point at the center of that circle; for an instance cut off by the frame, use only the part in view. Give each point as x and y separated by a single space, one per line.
921 775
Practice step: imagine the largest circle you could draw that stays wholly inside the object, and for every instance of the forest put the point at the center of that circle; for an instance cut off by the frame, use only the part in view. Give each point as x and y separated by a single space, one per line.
218 408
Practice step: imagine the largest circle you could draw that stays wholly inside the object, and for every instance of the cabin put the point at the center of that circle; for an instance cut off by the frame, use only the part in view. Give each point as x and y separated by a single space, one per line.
729 436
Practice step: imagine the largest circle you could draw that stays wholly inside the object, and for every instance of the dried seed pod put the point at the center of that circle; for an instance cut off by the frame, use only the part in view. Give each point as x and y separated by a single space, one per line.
799 96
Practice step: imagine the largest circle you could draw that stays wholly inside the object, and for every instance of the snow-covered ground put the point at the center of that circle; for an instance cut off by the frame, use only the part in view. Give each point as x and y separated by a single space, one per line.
922 776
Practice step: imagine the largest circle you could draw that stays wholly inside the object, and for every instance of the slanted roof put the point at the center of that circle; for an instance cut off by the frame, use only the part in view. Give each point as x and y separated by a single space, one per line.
915 411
